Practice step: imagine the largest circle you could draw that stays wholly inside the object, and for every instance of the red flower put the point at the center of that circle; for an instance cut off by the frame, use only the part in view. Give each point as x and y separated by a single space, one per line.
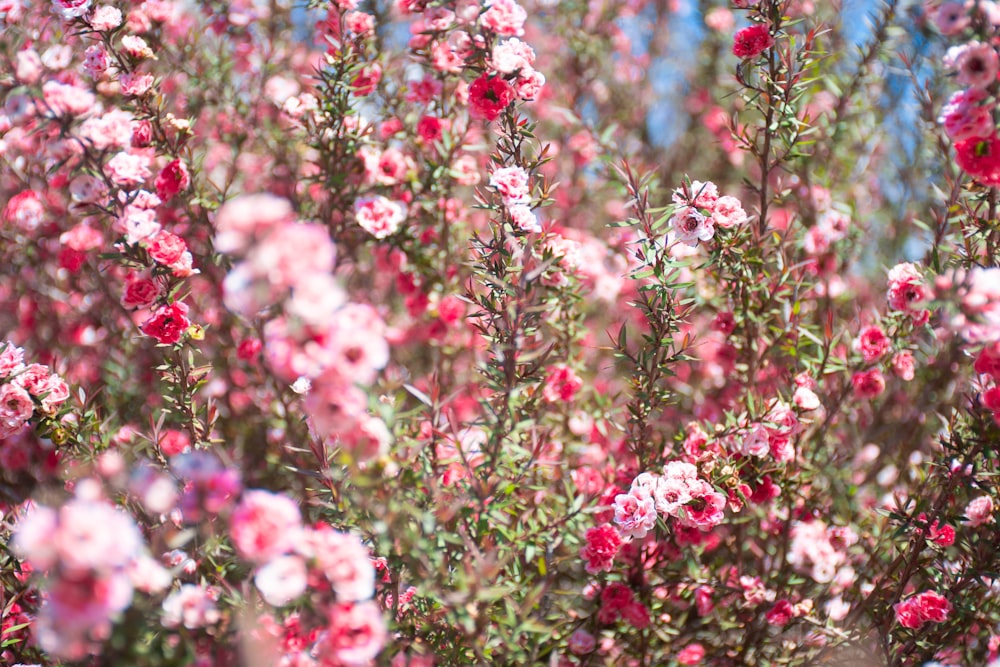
365 82
751 42
980 158
602 546
868 385
173 179
488 97
168 323
167 248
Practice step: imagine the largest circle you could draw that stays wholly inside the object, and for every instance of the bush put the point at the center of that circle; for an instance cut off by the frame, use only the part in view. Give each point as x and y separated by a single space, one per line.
442 333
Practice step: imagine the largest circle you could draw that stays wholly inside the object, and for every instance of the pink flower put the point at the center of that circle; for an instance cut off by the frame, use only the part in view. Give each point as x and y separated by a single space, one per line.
868 384
602 544
988 361
636 614
488 97
977 63
979 512
512 55
561 384
980 158
379 216
166 248
71 9
239 221
925 607
728 212
128 170
355 635
513 185
95 61
706 509
903 365
529 84
805 399
964 117
138 224
264 525
430 128
703 600
941 534
343 559
16 408
872 343
692 654
168 323
191 606
11 359
135 84
699 194
34 379
635 514
356 344
906 287
25 210
28 67
780 614
112 130
106 18
951 18
367 80
173 442
524 218
282 580
359 23
504 17
755 441
174 178
752 41
689 226
581 642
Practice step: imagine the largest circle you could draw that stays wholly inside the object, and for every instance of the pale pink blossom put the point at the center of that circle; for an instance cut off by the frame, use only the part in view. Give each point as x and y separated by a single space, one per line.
127 169
281 580
265 525
379 216
977 64
728 212
71 9
63 99
191 606
241 220
106 18
635 515
699 194
512 55
689 226
979 512
343 559
135 84
513 185
504 17
951 18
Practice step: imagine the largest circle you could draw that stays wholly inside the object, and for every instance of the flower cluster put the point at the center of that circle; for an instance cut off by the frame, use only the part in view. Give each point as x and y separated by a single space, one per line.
926 607
699 210
678 493
320 337
92 556
26 390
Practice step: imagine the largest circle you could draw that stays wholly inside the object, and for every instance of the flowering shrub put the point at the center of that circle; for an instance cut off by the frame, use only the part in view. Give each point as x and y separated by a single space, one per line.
509 332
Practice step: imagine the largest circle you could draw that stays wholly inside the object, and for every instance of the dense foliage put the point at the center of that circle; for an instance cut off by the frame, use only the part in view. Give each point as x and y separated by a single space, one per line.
515 332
